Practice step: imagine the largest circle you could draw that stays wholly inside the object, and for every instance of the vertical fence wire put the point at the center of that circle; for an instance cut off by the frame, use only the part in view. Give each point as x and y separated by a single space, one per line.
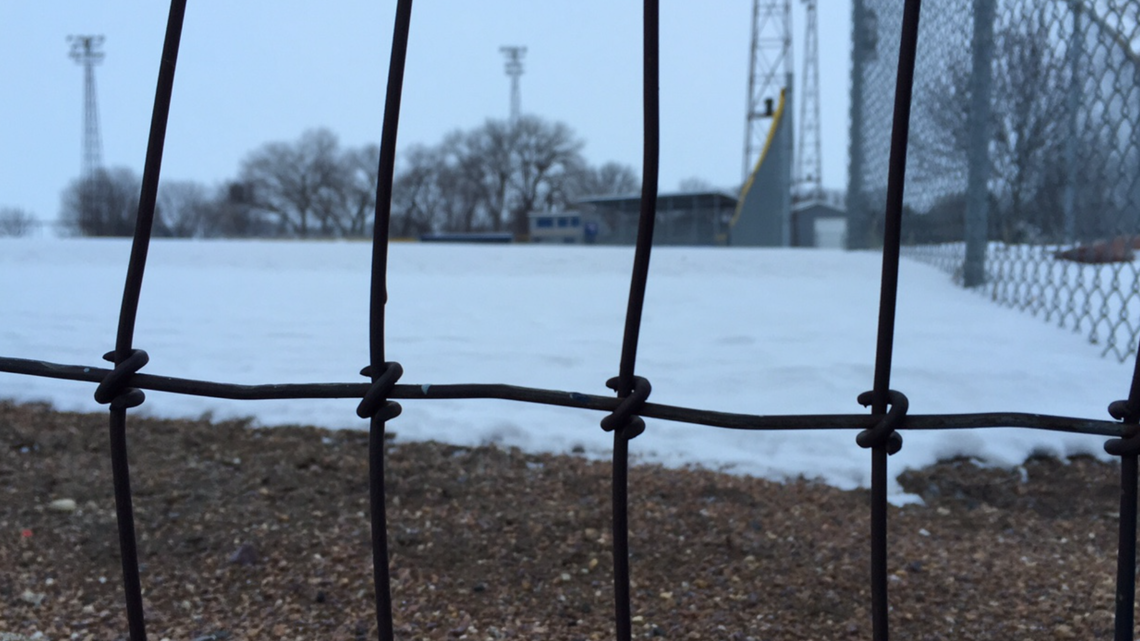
647 218
125 520
626 383
152 167
1127 449
622 607
888 297
1126 551
375 405
127 360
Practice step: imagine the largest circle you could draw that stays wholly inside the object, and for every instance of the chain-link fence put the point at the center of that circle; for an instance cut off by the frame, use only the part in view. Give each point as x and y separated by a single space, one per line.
1024 170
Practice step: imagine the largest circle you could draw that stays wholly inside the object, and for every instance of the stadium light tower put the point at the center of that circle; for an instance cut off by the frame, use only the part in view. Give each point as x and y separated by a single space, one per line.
86 50
809 166
769 71
514 69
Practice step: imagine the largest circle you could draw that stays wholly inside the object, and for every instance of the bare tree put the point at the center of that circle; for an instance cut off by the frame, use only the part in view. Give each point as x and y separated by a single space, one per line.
479 167
545 155
420 201
182 210
610 179
299 184
1029 115
313 187
358 188
491 177
16 222
104 204
230 214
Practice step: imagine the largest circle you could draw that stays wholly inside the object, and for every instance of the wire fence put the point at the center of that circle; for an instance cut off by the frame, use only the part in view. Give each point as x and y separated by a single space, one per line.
1024 173
121 386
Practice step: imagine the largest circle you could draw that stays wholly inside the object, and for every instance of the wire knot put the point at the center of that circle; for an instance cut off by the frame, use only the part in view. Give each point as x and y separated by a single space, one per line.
113 388
1128 445
624 417
375 402
884 433
1122 412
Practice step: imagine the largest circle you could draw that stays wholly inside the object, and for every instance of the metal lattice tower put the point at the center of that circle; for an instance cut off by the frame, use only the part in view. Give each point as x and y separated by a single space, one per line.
85 50
771 55
809 166
514 69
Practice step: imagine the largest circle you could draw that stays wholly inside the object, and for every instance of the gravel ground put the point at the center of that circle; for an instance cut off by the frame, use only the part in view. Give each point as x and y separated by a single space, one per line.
262 533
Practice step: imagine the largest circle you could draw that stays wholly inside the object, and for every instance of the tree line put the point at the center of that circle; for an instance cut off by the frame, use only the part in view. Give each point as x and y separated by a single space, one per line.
484 179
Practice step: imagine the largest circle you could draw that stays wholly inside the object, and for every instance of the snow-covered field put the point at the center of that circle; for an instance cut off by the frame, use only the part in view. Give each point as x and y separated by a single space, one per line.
755 331
1099 301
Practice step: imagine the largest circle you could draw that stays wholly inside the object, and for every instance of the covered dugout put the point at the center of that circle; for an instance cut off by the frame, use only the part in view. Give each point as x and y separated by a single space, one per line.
689 218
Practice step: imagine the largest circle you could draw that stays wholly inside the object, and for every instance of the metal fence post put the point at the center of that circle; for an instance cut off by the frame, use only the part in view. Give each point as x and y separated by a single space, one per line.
1127 448
1073 101
857 231
978 158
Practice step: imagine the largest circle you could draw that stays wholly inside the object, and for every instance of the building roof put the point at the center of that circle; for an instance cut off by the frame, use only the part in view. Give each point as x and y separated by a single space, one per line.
680 200
552 214
819 206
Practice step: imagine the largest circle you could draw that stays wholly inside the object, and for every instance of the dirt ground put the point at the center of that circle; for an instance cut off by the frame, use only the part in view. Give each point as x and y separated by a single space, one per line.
263 533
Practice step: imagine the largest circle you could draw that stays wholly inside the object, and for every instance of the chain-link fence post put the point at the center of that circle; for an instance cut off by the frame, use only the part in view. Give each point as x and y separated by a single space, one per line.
1073 103
979 134
1132 55
858 231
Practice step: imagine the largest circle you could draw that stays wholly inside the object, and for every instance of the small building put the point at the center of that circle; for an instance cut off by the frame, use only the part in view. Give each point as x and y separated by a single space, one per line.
707 218
688 218
556 227
819 224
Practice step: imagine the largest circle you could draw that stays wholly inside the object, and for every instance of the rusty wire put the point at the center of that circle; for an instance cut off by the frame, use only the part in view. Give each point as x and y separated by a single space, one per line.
882 439
122 385
375 405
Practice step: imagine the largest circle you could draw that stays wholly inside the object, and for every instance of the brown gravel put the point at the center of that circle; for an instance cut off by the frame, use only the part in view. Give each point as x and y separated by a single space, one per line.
262 533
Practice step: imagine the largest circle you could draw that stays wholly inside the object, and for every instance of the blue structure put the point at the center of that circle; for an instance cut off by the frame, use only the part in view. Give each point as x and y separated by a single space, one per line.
763 215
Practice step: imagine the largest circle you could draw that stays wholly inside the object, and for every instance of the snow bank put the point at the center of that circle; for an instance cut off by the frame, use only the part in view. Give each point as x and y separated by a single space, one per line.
741 330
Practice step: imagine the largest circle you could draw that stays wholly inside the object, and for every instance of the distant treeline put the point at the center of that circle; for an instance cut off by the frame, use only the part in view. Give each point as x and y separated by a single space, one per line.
484 179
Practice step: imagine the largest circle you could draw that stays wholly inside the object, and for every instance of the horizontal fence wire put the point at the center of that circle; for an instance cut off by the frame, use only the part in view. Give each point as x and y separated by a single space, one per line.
122 385
571 399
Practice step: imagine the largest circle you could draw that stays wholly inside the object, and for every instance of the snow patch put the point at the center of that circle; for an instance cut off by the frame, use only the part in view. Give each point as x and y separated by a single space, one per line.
774 331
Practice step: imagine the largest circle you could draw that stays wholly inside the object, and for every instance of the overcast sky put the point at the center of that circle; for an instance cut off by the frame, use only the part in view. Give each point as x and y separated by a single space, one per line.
256 71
